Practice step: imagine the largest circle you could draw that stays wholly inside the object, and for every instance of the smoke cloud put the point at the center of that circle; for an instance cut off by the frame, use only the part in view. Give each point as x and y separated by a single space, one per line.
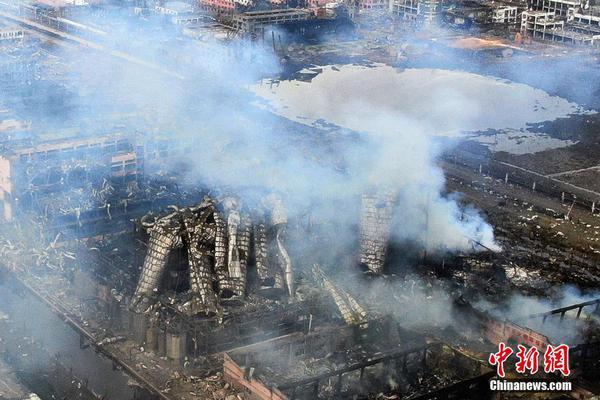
571 330
201 99
200 94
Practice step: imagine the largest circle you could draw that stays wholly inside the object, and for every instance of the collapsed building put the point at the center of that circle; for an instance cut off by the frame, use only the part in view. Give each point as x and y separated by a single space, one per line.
219 239
216 273
157 272
184 282
354 361
69 180
565 21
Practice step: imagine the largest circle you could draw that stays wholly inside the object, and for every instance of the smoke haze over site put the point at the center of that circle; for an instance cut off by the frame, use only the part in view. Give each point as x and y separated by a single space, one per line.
199 93
234 144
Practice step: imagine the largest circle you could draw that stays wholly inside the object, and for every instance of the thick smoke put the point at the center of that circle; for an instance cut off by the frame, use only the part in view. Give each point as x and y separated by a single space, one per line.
519 308
201 99
200 96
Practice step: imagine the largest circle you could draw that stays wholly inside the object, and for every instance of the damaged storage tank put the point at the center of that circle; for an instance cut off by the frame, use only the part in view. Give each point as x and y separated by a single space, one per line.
218 237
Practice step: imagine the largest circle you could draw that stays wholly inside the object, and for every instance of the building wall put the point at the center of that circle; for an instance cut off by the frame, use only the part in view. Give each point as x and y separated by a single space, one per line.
317 3
373 4
219 5
557 7
505 331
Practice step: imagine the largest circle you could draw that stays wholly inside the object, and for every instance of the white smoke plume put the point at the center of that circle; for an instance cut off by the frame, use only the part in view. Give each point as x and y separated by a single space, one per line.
518 308
199 97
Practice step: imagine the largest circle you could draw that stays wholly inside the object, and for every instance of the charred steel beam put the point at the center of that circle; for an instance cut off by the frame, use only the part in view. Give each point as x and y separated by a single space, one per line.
352 312
279 220
460 388
268 275
221 246
360 365
586 350
232 266
563 310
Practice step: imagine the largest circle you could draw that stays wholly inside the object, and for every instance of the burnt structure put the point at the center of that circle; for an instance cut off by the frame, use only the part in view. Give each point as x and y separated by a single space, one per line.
351 311
219 239
357 362
375 224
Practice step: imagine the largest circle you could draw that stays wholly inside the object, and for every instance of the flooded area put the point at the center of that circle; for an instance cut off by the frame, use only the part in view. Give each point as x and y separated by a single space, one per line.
520 141
381 100
40 341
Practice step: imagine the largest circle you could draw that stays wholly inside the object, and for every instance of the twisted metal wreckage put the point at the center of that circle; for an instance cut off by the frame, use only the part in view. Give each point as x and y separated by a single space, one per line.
218 236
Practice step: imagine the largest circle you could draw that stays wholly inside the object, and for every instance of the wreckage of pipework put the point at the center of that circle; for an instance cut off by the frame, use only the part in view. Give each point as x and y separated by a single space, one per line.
218 237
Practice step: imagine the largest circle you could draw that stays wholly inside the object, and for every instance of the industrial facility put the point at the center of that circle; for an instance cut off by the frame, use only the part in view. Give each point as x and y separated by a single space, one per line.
321 199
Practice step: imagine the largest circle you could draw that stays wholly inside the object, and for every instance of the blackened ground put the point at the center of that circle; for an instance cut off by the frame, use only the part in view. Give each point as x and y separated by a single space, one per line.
541 248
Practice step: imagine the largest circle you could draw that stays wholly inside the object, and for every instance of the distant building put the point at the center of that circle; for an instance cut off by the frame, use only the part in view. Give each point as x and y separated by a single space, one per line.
545 25
504 14
556 7
17 68
422 11
538 24
373 4
175 8
219 6
585 23
317 3
256 21
56 4
180 13
565 21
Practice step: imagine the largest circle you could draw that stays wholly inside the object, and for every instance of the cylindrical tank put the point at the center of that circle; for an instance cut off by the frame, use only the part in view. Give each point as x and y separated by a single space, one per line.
162 342
115 314
138 326
152 339
176 345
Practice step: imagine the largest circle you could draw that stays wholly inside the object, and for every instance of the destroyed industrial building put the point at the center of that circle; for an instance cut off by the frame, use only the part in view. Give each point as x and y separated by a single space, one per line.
249 199
218 249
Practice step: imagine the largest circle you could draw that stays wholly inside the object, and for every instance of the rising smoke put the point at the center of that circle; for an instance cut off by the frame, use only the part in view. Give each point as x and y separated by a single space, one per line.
571 329
201 99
